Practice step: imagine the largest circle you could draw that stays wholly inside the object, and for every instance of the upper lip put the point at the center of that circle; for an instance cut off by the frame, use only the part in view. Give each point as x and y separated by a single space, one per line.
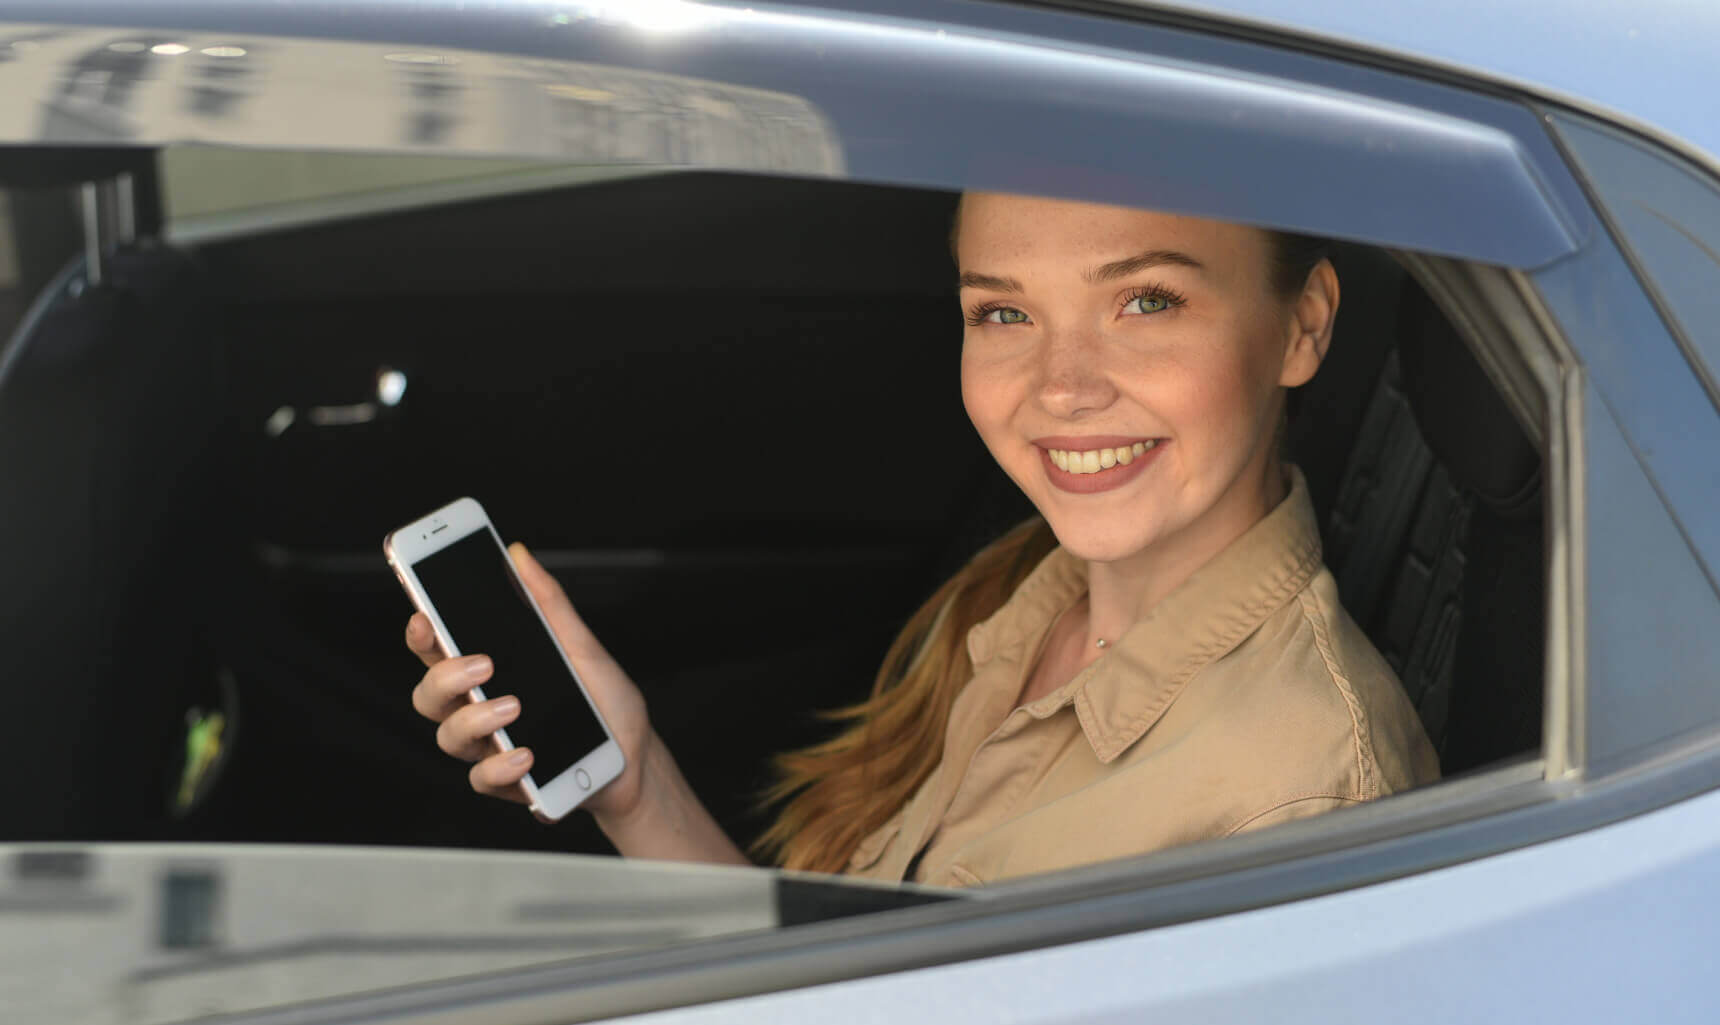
1088 442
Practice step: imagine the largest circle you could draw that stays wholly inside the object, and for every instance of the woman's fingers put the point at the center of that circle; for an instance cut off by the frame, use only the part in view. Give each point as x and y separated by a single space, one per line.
499 775
422 640
443 690
465 734
576 638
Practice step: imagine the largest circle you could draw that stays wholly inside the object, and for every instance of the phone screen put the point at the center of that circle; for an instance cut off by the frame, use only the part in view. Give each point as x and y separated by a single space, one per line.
484 608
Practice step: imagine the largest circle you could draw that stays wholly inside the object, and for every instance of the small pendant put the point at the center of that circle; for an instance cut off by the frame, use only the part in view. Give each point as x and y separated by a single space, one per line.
1103 643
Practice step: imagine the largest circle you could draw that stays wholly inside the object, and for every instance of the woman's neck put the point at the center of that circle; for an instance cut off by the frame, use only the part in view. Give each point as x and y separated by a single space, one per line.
1123 592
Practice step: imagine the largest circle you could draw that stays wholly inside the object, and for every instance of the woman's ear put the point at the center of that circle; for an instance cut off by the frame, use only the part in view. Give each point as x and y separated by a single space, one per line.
1310 326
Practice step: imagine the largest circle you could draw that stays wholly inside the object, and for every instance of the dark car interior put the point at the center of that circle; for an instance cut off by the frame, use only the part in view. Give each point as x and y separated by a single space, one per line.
722 409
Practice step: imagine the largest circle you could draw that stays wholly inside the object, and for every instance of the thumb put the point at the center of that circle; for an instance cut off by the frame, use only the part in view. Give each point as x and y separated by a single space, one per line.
570 630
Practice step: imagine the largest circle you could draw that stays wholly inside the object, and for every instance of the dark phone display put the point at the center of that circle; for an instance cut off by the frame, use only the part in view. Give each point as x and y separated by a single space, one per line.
484 608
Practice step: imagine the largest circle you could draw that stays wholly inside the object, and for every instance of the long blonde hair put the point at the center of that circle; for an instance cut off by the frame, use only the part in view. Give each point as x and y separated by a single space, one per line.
843 789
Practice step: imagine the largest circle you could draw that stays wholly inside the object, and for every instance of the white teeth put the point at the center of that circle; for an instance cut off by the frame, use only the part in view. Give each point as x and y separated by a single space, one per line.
1094 460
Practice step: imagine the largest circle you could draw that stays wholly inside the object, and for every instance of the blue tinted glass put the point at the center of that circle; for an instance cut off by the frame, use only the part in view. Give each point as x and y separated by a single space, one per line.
1669 214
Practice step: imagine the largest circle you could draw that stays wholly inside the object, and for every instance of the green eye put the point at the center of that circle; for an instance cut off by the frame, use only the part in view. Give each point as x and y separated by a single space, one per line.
1147 304
1011 316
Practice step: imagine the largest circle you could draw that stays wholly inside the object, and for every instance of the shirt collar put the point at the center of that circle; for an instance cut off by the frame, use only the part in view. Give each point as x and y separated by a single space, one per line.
1120 696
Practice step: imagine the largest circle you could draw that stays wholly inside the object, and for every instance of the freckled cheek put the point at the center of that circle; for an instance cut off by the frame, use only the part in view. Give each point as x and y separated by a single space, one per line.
992 393
1204 402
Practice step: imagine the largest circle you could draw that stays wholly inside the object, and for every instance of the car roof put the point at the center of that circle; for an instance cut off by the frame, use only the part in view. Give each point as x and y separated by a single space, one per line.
1648 64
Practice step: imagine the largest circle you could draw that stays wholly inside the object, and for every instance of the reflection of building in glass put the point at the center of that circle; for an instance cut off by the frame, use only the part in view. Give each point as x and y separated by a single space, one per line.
145 933
434 91
98 87
219 80
189 902
95 85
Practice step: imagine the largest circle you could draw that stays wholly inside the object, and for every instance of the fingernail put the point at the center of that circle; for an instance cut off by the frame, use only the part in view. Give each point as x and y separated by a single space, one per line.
519 757
477 667
504 708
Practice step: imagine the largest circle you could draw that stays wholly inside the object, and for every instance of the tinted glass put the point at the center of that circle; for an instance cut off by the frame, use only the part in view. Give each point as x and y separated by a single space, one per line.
1668 211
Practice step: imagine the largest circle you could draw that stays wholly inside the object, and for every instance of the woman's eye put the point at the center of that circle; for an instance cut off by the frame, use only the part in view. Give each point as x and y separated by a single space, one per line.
995 315
1149 303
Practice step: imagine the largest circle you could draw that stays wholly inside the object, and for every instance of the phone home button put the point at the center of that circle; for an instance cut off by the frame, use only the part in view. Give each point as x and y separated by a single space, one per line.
580 777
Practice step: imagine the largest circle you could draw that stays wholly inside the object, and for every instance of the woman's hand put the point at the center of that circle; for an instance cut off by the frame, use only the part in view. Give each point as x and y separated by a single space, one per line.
466 727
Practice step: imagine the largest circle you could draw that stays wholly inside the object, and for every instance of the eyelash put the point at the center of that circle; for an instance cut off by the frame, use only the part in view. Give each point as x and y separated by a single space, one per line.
1172 299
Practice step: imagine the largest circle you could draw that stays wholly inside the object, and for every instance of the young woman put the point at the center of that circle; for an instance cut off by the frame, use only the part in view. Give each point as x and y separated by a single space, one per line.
1157 658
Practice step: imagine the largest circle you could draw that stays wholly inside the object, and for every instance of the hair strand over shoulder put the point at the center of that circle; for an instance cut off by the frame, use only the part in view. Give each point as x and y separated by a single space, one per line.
842 790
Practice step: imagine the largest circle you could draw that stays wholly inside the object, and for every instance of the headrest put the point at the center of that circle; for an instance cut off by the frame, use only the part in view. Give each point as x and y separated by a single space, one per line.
1462 416
34 167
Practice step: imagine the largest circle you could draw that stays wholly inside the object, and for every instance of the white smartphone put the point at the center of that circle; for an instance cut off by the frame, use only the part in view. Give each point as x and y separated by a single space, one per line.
455 569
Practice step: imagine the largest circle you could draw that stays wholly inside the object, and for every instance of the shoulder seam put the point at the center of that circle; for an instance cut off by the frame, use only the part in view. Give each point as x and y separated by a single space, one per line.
1367 779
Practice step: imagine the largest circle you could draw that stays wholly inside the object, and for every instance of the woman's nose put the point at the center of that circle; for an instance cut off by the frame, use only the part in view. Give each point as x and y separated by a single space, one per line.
1073 379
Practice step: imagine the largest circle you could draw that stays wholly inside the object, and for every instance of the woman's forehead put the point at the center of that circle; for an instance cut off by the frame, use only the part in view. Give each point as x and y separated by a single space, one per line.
994 227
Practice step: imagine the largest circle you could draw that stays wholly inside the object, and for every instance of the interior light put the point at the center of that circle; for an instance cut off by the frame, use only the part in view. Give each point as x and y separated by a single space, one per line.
279 421
169 49
223 51
390 386
342 416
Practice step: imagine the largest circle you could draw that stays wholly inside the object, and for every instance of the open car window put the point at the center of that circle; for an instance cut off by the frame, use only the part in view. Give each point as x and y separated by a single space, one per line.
310 308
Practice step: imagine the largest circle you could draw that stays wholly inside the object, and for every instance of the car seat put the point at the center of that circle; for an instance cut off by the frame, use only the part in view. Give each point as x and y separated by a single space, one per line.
108 403
1494 470
1434 536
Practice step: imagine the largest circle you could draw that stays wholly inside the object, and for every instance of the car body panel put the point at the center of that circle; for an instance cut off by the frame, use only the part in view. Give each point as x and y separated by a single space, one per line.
1647 65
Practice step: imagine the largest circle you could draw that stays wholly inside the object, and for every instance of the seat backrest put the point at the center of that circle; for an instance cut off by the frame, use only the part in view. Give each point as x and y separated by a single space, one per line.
1434 537
107 397
1497 666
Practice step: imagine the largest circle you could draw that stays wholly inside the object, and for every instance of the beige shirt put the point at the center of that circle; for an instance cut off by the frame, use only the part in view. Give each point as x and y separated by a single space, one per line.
1247 697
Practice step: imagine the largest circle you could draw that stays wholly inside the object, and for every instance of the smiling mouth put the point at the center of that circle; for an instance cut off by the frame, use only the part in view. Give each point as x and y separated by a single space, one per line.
1098 460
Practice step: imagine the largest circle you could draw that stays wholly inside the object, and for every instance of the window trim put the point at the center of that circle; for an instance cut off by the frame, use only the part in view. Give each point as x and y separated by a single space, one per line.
1517 343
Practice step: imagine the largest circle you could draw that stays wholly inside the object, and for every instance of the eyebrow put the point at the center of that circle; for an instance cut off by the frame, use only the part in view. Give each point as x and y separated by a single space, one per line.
989 282
1139 262
1094 275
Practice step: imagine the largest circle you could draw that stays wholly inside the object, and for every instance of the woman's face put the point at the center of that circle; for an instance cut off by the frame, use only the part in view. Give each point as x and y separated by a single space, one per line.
1126 368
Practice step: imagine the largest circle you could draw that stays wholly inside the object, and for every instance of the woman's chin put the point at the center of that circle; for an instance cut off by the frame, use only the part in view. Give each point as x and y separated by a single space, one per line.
1100 546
